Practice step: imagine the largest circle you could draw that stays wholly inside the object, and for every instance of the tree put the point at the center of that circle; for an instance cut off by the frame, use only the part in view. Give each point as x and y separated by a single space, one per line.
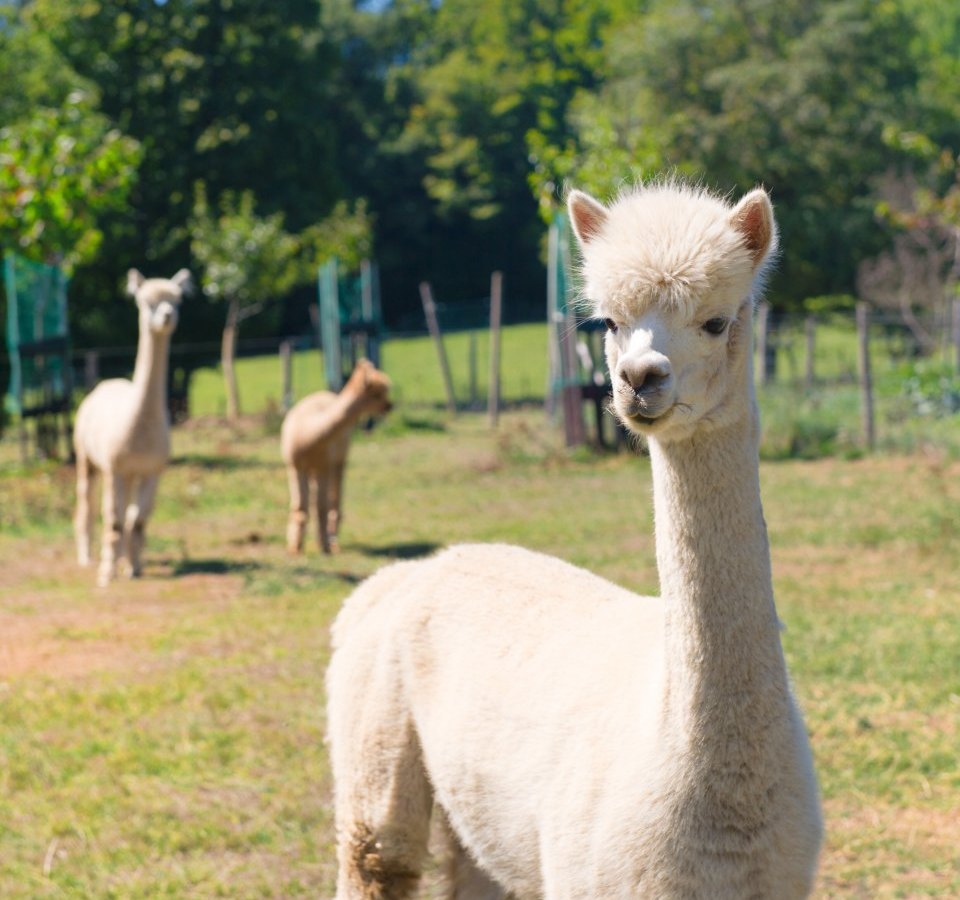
238 94
250 260
61 171
491 82
33 73
917 277
247 261
791 94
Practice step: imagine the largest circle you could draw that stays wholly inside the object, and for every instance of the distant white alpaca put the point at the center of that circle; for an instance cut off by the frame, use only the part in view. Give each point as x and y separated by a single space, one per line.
582 741
314 442
123 432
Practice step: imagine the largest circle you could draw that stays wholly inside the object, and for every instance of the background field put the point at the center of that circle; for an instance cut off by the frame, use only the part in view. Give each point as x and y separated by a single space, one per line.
914 398
164 738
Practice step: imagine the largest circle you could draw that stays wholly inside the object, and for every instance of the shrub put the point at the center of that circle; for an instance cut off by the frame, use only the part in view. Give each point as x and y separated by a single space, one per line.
931 388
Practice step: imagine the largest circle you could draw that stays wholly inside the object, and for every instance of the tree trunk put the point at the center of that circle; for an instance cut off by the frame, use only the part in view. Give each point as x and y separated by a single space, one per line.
228 351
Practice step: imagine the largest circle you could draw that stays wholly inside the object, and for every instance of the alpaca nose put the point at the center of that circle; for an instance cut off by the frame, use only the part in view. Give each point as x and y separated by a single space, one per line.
646 376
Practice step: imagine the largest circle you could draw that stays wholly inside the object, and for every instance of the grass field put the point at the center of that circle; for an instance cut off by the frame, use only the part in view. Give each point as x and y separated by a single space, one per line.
163 738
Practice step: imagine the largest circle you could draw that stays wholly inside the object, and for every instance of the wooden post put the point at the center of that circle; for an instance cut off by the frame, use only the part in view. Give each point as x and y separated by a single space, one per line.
811 332
472 365
430 312
956 333
496 310
866 380
763 324
574 428
366 290
286 368
91 369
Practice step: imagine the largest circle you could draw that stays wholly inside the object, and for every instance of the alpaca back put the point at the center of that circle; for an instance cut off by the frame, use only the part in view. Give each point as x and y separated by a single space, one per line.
311 421
444 629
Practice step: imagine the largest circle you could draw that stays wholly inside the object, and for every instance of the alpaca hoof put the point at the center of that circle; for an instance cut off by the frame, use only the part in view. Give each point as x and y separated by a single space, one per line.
104 579
83 560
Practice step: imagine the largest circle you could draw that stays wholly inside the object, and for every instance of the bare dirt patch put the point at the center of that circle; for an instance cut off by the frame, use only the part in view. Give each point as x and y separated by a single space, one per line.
55 622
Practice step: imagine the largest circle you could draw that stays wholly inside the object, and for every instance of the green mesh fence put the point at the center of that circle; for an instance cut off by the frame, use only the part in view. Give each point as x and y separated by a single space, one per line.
351 322
37 336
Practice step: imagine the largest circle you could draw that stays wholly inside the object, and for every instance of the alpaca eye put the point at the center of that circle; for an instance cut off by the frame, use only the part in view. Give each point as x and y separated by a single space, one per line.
716 326
611 325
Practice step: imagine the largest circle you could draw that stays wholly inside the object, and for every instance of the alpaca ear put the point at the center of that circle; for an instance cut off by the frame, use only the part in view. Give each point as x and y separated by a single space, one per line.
753 218
134 280
588 216
184 280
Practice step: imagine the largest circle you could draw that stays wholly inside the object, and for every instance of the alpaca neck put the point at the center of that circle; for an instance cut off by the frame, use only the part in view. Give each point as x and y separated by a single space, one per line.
350 401
725 672
150 373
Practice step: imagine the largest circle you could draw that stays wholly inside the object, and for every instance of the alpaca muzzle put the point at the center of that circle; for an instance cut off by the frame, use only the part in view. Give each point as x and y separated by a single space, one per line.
645 387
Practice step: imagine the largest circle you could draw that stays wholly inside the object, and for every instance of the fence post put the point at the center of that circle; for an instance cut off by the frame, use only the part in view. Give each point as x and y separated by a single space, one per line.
866 379
811 334
496 309
430 312
472 365
91 369
286 367
956 333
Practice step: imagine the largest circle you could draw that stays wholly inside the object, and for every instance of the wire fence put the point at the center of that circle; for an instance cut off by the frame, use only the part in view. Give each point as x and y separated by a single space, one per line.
824 387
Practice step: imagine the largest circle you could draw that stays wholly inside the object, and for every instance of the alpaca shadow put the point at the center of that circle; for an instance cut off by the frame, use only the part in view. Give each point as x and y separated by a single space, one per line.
223 463
418 423
213 567
308 573
411 550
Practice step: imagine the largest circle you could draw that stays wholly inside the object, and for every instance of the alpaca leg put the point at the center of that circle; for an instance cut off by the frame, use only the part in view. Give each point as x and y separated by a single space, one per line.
114 506
382 796
136 525
83 519
334 502
323 508
297 521
383 821
464 879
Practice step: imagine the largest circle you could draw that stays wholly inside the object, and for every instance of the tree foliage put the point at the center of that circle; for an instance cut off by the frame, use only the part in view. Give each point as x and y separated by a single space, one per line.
61 171
445 133
794 95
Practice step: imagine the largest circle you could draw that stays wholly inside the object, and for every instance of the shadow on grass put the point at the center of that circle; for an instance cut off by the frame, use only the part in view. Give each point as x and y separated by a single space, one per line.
305 573
213 567
224 463
410 550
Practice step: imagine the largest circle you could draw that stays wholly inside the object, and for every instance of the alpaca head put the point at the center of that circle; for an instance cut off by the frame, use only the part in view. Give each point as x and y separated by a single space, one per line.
158 300
375 388
671 270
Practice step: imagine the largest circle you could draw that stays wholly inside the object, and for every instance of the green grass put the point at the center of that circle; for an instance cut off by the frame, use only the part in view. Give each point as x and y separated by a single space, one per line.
163 738
413 364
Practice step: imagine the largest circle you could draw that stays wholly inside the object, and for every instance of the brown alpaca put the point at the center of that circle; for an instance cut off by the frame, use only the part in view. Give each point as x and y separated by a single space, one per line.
314 441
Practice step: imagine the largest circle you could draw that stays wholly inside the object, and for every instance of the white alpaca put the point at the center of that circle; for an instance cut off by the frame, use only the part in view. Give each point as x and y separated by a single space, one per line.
582 741
123 432
314 442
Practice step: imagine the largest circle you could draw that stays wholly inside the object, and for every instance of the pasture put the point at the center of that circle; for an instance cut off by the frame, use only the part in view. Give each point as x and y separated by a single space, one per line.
164 737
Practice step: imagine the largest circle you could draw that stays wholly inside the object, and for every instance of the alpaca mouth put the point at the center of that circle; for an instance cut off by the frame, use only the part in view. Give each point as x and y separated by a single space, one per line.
650 421
646 420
